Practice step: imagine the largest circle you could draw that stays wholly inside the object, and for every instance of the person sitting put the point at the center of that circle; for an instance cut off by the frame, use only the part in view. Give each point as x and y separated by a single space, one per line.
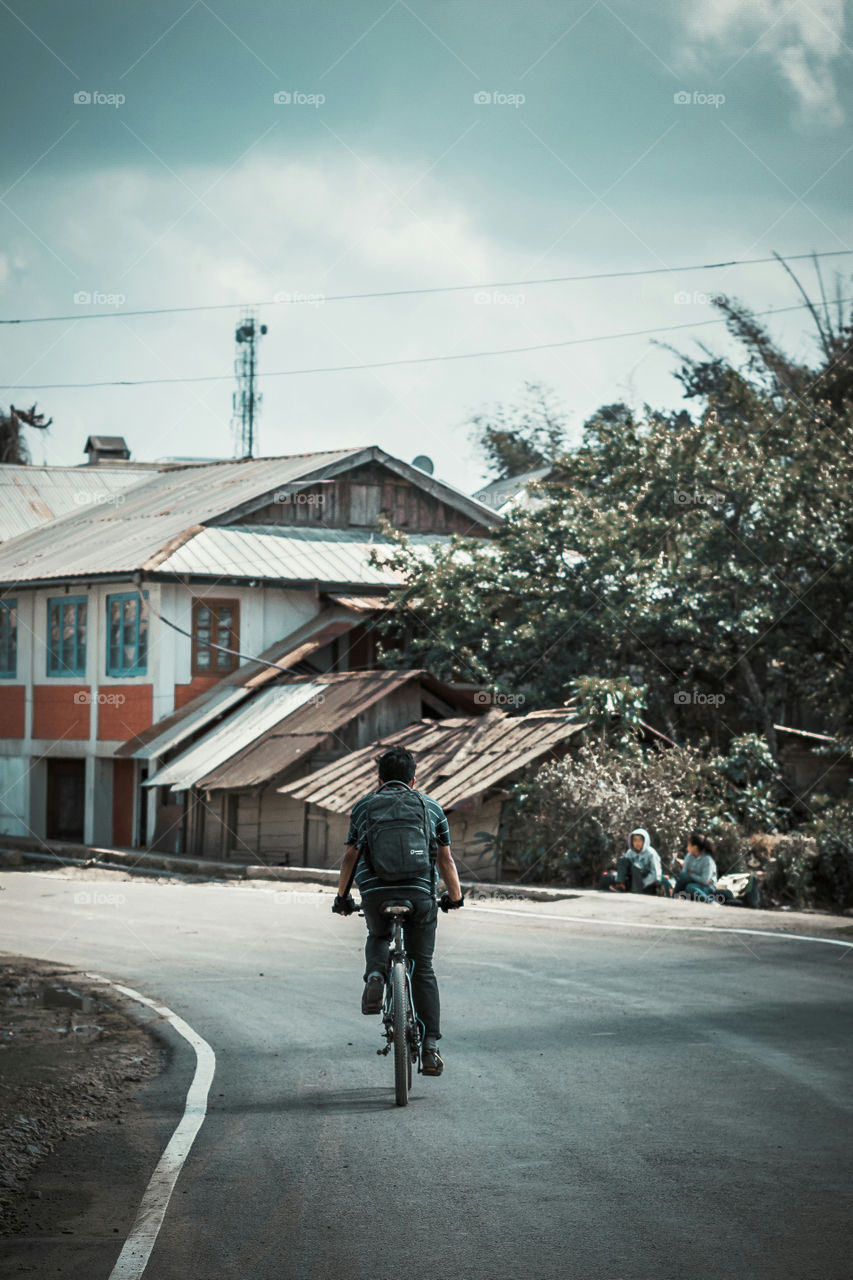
639 868
698 876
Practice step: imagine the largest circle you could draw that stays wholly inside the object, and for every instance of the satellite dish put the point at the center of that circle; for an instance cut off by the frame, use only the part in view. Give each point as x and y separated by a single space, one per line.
423 463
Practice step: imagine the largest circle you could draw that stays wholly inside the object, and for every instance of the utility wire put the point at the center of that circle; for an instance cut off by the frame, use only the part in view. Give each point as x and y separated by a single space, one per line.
298 298
387 364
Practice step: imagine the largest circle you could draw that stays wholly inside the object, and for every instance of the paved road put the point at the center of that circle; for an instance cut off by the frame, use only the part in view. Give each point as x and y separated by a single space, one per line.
616 1104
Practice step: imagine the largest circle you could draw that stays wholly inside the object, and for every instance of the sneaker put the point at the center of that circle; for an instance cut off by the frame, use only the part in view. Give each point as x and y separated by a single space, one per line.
374 990
432 1063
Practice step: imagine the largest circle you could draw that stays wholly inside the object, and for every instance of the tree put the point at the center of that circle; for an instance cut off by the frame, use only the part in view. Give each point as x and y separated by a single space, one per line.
521 438
706 556
13 444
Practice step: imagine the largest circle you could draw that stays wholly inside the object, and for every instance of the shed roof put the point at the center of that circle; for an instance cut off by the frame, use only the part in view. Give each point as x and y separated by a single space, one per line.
277 661
266 735
457 759
339 698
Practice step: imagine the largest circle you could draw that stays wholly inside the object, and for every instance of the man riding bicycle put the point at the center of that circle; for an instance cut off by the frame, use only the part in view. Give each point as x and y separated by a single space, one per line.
397 775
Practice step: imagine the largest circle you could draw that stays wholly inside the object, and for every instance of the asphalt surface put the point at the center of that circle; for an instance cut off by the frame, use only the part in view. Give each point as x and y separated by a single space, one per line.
616 1103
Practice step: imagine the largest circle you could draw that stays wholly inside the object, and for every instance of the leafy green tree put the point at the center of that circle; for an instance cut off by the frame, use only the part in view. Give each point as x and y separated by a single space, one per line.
515 439
706 554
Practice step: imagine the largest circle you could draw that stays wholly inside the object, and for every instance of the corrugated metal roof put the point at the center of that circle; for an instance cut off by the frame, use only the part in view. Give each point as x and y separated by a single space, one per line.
162 512
284 553
296 647
340 698
155 512
213 703
457 759
363 604
32 496
266 709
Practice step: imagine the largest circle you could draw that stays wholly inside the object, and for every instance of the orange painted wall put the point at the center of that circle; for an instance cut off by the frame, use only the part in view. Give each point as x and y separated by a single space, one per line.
185 693
124 710
123 772
12 710
61 711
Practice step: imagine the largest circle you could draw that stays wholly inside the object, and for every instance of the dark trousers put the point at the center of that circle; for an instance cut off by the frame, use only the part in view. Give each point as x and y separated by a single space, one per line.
419 939
629 874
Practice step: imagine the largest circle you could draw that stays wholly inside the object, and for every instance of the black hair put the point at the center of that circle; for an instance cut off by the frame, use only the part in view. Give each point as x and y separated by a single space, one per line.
397 765
701 842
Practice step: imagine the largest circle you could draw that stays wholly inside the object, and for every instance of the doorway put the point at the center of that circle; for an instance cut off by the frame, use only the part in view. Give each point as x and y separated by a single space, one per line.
66 799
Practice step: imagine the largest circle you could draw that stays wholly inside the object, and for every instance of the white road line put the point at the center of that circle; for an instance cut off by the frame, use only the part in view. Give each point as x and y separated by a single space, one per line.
136 1252
673 928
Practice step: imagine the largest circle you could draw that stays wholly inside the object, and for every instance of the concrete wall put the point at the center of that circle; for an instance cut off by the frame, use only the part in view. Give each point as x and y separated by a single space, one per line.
88 716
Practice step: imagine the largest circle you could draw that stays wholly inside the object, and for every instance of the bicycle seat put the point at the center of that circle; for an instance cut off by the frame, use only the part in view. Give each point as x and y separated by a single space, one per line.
400 908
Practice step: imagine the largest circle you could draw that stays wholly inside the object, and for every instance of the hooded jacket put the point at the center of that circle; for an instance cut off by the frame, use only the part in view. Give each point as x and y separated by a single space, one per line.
647 860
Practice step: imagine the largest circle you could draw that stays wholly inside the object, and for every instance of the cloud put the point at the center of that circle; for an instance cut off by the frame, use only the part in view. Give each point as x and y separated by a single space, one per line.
802 40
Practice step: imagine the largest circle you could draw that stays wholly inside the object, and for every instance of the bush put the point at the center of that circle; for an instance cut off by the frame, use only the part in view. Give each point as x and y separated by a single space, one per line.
833 871
789 874
577 813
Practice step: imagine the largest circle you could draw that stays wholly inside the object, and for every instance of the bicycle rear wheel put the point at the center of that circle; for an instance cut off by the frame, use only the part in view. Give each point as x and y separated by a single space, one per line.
402 1059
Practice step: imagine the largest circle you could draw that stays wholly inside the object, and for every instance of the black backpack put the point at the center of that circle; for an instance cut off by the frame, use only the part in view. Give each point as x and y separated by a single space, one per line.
398 839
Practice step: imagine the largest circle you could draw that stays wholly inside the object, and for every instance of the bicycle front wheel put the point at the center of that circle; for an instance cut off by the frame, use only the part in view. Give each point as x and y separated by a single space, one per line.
402 1063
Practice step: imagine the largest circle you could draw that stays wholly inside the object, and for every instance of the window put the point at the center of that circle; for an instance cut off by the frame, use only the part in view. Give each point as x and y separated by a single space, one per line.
127 634
66 636
215 622
8 637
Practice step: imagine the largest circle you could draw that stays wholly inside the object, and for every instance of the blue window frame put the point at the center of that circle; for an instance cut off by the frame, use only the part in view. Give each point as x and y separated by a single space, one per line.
127 634
66 636
8 638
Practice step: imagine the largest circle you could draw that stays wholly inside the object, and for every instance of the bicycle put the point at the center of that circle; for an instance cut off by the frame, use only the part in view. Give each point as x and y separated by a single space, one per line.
402 1028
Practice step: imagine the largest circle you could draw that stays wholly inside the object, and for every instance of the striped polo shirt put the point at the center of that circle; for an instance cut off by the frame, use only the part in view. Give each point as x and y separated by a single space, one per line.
366 881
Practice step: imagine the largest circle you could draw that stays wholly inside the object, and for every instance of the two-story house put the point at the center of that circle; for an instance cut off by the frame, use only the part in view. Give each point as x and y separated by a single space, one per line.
116 614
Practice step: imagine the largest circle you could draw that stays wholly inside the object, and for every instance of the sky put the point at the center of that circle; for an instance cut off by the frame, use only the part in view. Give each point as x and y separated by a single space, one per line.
185 154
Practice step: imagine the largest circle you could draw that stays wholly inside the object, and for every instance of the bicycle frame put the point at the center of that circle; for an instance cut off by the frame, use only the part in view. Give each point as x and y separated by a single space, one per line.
397 955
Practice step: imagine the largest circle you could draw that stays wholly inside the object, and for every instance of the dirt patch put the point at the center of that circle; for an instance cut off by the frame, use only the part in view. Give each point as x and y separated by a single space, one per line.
70 1062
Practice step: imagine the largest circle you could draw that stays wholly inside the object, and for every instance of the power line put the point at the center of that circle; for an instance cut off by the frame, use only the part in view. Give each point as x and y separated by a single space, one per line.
388 364
300 299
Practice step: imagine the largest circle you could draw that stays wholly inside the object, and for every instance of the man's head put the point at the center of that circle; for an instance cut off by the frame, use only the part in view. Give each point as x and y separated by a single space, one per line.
699 844
637 843
397 765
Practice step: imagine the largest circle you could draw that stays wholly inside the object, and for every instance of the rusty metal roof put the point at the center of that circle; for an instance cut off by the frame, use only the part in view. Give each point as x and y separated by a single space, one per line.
166 510
363 604
457 759
337 699
306 640
154 516
267 709
32 496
